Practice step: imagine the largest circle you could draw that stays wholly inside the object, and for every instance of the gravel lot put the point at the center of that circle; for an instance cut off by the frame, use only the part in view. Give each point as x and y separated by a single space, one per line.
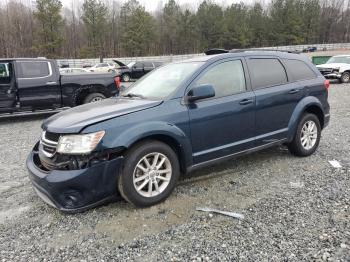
295 208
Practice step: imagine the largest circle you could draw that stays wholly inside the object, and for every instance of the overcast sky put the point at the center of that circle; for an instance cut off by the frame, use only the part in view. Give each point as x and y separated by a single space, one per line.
151 5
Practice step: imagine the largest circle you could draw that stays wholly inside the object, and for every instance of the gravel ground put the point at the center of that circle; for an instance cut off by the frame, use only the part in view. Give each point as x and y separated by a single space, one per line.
295 208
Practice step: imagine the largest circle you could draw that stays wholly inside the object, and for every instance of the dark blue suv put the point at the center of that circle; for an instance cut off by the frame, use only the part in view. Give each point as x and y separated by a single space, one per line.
178 118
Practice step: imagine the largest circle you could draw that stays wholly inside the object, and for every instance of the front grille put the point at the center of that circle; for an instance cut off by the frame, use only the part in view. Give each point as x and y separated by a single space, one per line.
52 136
48 144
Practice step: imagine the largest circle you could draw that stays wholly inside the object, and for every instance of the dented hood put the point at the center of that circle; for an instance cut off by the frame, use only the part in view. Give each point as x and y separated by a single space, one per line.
75 119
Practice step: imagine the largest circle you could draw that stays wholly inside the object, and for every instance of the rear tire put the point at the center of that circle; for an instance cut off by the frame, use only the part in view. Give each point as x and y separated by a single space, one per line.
345 78
126 77
94 97
143 184
307 136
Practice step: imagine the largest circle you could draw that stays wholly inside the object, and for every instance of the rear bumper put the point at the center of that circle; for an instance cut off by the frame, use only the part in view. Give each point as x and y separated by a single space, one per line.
76 190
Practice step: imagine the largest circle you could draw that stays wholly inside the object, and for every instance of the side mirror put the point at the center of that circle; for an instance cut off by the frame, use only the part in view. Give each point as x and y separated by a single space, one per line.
200 92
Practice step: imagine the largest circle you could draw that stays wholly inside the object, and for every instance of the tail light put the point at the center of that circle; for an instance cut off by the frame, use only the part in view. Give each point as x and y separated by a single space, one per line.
117 82
326 84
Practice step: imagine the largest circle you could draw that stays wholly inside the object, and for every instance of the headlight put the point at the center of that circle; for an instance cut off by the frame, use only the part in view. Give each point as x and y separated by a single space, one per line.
79 144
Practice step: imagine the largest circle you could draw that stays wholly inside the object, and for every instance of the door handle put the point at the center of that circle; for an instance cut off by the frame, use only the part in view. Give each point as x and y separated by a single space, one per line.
51 83
293 91
246 102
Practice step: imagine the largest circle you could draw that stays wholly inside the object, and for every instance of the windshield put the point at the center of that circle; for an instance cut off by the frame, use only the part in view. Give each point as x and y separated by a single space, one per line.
161 82
339 59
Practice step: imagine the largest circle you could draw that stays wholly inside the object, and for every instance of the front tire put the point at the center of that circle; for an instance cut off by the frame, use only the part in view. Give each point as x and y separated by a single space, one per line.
345 78
150 173
307 136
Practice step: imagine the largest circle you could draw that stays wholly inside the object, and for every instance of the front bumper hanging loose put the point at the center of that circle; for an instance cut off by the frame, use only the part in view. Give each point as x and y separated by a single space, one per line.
75 190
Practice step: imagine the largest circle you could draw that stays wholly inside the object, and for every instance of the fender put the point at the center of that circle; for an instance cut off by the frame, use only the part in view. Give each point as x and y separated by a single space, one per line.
155 128
298 111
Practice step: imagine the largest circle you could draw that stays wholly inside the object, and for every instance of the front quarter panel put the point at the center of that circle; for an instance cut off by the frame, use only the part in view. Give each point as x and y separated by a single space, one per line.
170 119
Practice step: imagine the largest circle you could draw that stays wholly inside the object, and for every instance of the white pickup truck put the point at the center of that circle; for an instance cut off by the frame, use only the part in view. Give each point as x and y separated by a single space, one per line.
337 67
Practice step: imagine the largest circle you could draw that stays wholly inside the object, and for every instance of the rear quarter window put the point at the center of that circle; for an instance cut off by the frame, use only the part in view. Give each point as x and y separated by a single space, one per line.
265 72
33 69
299 70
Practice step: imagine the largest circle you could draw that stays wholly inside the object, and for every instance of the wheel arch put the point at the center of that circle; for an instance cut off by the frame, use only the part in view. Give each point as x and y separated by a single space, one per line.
82 92
163 132
171 142
307 105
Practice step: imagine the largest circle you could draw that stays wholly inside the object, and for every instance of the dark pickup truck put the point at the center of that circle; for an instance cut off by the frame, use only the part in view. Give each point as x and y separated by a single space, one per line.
34 85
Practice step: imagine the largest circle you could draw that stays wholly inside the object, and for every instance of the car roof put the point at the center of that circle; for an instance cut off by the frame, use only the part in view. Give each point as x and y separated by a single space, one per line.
280 54
23 59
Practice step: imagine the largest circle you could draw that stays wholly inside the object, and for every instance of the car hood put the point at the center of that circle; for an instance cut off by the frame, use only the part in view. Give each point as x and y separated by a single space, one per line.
121 64
333 65
75 119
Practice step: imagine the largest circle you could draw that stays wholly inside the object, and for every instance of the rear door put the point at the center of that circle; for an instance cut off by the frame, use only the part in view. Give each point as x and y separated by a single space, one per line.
224 124
137 70
7 85
38 84
147 67
276 98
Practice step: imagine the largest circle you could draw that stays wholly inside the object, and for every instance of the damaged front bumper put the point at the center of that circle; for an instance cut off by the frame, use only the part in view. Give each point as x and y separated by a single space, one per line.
333 76
75 190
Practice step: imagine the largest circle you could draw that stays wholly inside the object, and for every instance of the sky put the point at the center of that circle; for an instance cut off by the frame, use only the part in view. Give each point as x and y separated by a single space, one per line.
151 5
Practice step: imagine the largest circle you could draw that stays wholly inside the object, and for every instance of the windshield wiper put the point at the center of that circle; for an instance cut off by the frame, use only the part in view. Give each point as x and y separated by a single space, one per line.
131 95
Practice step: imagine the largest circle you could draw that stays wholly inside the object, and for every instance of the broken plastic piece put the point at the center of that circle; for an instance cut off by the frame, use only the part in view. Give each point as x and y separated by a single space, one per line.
226 213
335 163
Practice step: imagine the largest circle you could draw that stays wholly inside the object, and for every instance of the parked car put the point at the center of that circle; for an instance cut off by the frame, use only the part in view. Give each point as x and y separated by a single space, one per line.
73 70
178 118
63 65
135 70
310 49
337 67
103 67
32 85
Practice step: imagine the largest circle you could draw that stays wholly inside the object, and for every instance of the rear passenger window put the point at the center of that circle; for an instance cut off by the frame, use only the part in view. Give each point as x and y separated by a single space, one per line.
227 78
299 70
266 72
33 69
148 65
138 65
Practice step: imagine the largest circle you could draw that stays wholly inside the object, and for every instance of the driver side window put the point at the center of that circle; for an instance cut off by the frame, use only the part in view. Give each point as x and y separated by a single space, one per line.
226 78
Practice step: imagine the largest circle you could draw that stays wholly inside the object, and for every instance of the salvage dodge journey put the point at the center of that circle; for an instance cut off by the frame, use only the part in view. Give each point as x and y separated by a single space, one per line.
180 117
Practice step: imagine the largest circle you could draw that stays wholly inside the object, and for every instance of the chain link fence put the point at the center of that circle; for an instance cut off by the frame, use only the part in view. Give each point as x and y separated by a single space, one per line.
173 58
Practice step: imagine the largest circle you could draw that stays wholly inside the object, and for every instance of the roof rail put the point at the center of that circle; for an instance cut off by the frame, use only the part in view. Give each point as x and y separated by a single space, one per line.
216 51
266 50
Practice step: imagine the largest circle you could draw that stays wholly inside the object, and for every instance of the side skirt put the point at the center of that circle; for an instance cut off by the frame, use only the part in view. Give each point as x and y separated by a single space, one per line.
225 158
32 113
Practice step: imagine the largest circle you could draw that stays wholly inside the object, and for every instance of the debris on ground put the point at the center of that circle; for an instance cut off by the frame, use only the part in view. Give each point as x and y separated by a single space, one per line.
226 213
296 184
335 164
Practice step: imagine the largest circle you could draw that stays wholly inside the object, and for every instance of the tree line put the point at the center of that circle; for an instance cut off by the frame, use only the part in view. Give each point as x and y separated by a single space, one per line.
107 28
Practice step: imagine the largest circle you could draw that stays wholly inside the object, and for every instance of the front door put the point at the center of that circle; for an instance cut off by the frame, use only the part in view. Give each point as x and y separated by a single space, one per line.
224 124
38 85
7 86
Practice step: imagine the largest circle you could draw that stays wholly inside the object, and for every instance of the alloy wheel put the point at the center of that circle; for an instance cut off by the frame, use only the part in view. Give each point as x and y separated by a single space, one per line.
309 135
152 174
96 99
